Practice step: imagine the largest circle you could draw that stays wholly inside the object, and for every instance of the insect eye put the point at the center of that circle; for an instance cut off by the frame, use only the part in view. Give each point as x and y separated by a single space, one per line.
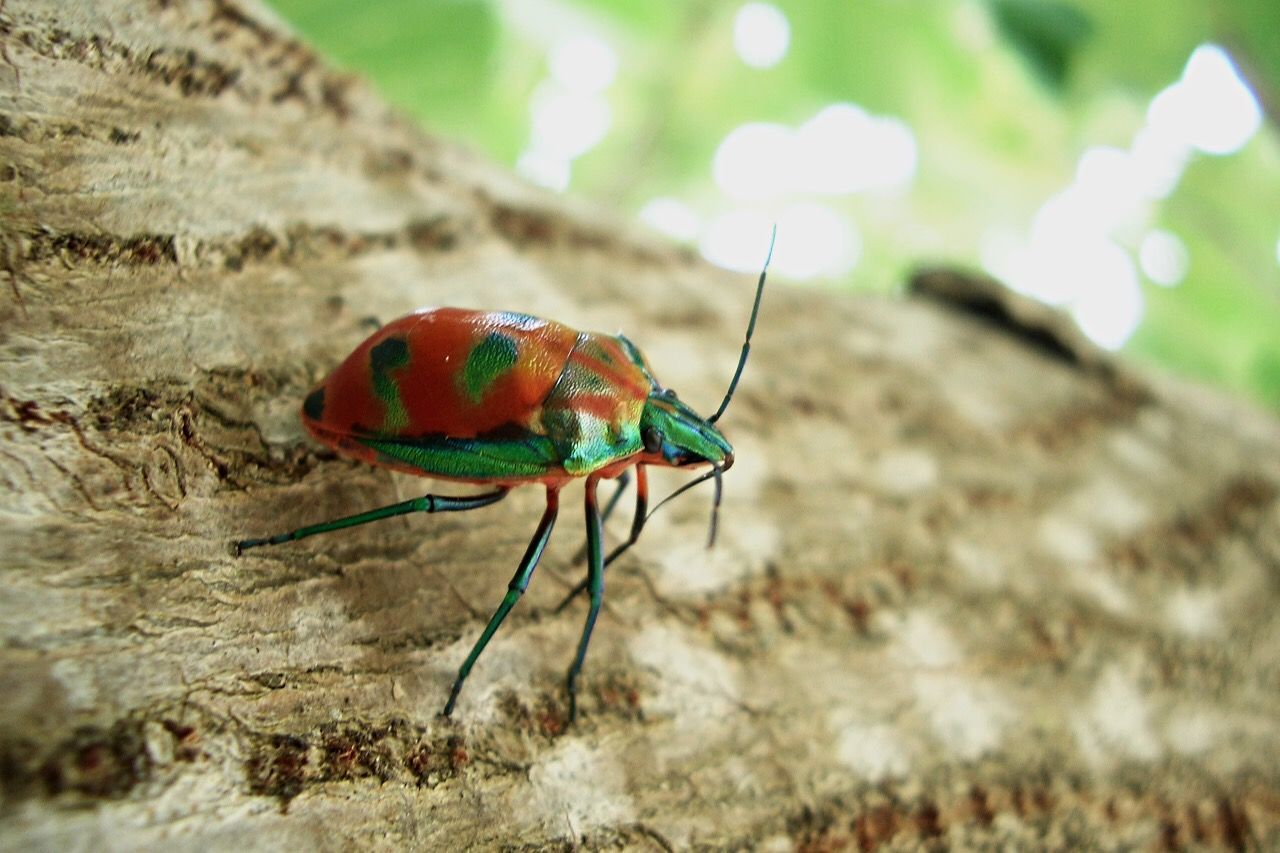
652 439
669 393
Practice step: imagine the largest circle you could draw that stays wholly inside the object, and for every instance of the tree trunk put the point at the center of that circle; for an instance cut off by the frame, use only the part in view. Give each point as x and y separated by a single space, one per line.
975 581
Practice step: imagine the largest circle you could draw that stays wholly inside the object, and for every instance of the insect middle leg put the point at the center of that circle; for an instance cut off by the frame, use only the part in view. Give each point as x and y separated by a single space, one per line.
515 589
426 503
595 580
637 525
623 480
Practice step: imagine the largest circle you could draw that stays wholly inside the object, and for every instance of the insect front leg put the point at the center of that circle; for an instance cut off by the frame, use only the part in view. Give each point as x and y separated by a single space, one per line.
595 581
623 480
637 525
519 582
426 503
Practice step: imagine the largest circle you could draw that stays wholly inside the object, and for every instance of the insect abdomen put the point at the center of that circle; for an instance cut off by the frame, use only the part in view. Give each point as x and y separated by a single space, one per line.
446 371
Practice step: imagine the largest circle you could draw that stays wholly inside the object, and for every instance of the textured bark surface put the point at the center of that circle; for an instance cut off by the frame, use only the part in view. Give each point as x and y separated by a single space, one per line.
976 583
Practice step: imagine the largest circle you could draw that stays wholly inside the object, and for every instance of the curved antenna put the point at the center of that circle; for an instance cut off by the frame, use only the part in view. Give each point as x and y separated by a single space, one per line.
701 478
717 470
714 473
715 508
751 328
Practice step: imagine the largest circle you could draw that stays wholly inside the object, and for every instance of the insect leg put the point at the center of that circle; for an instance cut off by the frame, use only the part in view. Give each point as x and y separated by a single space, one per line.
514 590
638 520
623 480
595 577
426 503
637 525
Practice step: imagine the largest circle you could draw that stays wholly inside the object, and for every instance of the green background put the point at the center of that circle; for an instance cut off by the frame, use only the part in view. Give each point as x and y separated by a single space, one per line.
1003 97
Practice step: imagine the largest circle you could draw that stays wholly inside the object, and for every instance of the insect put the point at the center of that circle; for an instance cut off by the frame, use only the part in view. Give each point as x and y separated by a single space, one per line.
503 399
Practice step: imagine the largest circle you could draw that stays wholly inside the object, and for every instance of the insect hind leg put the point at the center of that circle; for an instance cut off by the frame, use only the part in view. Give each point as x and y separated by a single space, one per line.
426 503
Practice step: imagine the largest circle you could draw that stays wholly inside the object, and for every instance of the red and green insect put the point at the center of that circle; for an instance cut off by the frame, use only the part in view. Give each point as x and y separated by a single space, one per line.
503 399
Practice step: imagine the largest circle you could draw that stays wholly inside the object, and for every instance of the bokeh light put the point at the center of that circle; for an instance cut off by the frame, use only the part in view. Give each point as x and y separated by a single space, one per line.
755 161
737 240
1109 159
843 149
567 123
761 35
672 217
1211 108
583 63
1106 301
545 169
569 113
1163 257
1077 253
820 241
840 151
1158 160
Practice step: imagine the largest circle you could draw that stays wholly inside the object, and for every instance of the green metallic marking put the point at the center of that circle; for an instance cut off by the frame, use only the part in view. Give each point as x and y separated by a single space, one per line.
531 455
585 377
588 417
588 442
590 382
684 432
389 355
488 361
633 353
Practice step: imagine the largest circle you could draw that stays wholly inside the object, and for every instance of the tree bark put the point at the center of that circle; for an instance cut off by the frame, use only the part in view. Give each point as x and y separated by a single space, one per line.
976 582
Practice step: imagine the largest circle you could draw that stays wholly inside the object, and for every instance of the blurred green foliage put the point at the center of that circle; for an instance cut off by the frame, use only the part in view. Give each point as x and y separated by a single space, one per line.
1047 34
1003 97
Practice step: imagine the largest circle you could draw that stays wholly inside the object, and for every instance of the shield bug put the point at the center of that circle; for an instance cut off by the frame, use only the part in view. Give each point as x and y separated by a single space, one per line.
502 399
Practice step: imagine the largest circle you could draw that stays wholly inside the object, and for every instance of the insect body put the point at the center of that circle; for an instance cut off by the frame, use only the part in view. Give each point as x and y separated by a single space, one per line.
503 399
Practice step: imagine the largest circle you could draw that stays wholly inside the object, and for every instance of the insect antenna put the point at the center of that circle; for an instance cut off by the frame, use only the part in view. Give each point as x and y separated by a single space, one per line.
702 478
715 507
714 473
717 470
751 328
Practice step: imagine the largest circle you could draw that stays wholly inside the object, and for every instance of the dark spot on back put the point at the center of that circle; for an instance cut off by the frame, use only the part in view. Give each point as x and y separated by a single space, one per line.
393 352
313 406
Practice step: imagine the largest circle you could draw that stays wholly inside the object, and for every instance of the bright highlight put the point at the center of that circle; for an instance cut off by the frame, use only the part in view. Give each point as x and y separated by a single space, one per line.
1163 258
672 217
1073 255
840 151
761 35
584 64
